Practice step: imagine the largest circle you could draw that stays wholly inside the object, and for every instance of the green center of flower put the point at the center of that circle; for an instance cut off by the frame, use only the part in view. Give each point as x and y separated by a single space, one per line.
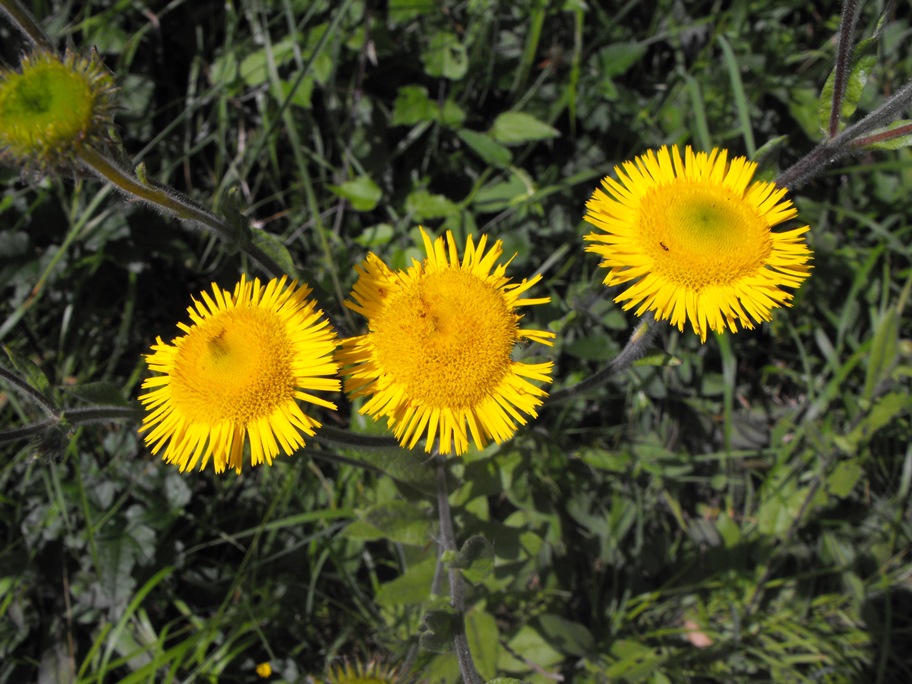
48 104
701 235
237 367
446 338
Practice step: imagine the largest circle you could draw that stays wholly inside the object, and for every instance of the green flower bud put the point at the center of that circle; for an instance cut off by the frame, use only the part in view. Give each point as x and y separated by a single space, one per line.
52 109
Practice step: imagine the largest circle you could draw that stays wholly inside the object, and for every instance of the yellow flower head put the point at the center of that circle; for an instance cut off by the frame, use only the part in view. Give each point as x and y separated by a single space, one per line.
437 358
264 670
371 673
52 109
695 237
236 373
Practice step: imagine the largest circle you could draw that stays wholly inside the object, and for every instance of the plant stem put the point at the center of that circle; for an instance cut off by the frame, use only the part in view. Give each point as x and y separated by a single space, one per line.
173 204
831 151
843 54
457 588
23 386
27 431
77 416
102 414
639 341
25 22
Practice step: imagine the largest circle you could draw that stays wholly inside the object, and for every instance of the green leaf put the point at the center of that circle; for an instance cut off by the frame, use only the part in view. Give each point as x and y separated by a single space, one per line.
484 641
411 588
254 69
34 377
438 629
405 467
887 408
274 248
895 142
424 205
862 63
399 521
400 11
844 477
532 647
884 348
515 128
302 96
452 114
616 59
485 147
412 106
116 558
658 358
445 57
475 559
618 462
99 393
361 192
503 194
376 235
566 635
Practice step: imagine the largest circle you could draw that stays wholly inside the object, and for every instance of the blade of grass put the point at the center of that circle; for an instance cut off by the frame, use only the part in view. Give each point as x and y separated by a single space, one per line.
741 106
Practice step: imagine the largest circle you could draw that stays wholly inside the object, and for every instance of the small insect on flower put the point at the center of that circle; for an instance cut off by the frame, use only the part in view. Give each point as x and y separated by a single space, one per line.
693 238
236 376
437 359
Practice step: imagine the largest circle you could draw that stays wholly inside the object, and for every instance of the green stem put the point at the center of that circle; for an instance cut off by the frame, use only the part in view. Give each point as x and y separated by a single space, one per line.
36 396
77 416
173 204
27 431
841 71
25 22
457 589
102 414
834 149
639 342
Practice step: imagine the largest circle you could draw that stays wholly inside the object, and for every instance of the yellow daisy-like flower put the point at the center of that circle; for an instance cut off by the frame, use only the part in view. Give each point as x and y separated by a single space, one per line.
264 670
437 357
237 373
695 236
371 673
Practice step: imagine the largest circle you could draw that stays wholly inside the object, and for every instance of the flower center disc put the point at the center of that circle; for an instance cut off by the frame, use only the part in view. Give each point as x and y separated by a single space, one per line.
700 236
237 368
447 338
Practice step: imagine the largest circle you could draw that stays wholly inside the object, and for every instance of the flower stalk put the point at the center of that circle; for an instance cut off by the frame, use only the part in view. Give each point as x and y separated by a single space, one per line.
22 19
640 340
172 203
457 587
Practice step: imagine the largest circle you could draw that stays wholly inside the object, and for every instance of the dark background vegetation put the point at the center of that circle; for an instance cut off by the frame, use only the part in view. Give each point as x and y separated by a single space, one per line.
738 512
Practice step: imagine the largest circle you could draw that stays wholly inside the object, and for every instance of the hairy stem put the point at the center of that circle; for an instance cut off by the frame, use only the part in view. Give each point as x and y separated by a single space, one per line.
457 588
639 342
172 203
25 22
102 414
843 55
843 144
33 394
